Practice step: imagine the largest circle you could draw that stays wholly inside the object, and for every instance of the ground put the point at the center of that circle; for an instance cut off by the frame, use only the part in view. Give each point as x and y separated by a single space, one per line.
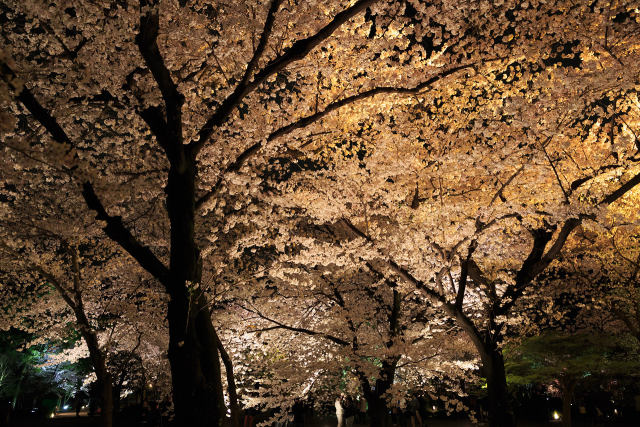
69 420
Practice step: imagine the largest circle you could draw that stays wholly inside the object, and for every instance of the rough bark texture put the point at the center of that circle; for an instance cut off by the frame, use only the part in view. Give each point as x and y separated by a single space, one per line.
193 354
500 409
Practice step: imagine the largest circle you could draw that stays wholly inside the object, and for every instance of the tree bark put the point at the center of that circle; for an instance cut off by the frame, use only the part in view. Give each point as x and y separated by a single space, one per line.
117 390
102 373
231 385
567 386
378 409
500 408
193 353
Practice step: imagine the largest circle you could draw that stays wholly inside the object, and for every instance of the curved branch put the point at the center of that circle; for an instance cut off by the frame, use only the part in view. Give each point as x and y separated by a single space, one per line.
464 321
280 325
117 232
296 52
148 46
264 37
115 229
305 121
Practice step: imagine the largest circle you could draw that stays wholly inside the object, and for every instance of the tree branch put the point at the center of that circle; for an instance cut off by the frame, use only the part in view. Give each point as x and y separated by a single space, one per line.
117 232
499 193
146 40
464 271
305 121
264 37
538 260
115 229
621 191
280 325
465 322
62 291
232 167
295 53
41 114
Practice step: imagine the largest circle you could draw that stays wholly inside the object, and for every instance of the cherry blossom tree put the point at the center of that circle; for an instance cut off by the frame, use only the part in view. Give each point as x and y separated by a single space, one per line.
179 115
373 330
74 284
546 157
147 118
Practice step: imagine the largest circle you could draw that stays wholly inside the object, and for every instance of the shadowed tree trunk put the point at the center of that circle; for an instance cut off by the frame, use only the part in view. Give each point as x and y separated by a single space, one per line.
567 385
193 349
231 385
500 408
378 410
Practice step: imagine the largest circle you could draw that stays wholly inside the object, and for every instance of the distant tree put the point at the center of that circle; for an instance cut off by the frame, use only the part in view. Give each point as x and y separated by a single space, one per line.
385 340
564 360
71 283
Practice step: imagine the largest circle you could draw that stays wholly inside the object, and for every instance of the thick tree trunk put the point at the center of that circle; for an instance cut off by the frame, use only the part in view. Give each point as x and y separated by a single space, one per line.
378 410
195 367
500 408
193 353
107 402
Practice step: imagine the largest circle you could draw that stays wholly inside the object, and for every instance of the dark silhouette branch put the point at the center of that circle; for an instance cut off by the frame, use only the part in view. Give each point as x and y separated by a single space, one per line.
115 228
280 325
306 121
295 53
146 40
117 232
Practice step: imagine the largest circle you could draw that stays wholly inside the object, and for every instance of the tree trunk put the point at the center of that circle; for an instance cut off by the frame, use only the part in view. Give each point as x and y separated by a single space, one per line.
378 410
14 401
567 386
100 367
107 401
117 390
231 385
195 367
193 353
500 409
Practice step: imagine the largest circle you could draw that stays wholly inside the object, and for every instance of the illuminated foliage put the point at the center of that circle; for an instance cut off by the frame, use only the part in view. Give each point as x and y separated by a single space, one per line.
450 146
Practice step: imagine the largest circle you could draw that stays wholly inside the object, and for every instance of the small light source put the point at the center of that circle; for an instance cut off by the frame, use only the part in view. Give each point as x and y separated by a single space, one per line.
615 411
52 415
65 407
556 415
